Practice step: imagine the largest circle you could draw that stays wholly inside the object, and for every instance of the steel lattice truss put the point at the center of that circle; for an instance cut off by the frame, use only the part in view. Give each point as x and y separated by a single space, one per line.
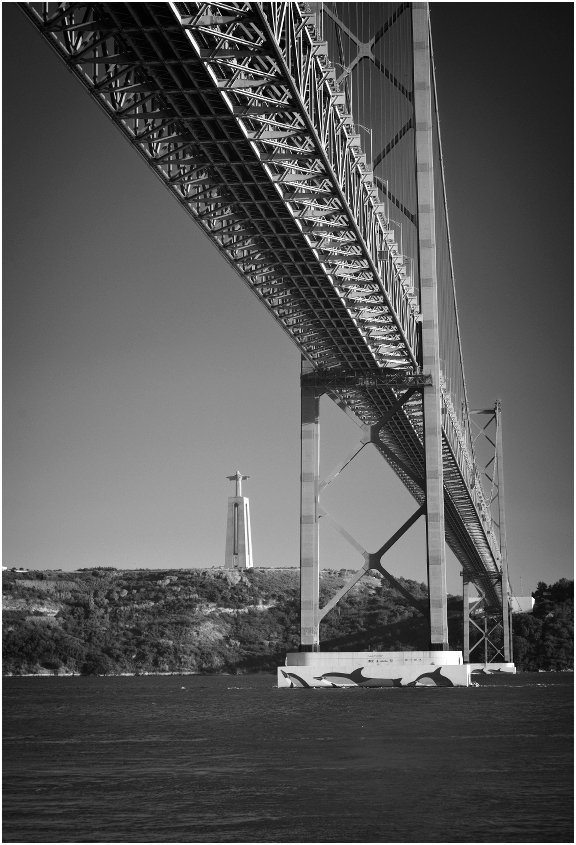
236 108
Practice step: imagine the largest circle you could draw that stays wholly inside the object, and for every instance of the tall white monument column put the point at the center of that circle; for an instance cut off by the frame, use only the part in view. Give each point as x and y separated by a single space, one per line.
238 536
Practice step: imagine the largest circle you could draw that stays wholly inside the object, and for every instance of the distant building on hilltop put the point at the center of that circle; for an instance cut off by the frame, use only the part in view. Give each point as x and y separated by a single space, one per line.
522 604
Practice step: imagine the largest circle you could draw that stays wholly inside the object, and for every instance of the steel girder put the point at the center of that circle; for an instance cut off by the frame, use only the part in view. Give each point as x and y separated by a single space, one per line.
236 108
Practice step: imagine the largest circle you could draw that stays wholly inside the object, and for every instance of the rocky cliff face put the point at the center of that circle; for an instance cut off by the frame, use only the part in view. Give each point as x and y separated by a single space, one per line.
197 620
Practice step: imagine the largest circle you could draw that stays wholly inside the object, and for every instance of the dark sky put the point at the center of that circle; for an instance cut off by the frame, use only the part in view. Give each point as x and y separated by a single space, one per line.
139 371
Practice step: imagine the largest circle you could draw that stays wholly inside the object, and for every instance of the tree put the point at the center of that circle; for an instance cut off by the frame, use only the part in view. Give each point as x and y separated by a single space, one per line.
97 663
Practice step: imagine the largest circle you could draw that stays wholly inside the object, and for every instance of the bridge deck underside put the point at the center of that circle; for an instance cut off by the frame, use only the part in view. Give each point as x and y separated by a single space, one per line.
163 98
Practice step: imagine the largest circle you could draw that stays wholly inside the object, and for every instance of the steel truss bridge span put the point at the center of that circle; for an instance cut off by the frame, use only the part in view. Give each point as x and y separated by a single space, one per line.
244 112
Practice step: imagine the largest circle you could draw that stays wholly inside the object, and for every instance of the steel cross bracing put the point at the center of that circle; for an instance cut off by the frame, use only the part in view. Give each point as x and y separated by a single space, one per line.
236 108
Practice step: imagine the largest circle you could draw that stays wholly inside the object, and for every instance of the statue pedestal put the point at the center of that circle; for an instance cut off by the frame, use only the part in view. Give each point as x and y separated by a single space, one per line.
238 536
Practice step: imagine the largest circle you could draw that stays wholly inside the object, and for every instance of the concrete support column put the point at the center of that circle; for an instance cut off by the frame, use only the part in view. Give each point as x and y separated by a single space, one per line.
507 632
506 627
435 533
466 617
309 540
511 635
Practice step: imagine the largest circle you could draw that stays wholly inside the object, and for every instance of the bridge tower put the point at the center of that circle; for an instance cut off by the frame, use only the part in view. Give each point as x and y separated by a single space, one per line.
429 387
492 627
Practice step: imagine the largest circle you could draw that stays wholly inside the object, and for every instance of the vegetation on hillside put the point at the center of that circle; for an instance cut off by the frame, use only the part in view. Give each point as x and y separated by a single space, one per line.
104 621
544 639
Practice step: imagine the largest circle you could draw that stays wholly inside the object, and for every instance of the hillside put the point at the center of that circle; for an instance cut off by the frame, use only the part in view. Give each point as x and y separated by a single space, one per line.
209 620
196 620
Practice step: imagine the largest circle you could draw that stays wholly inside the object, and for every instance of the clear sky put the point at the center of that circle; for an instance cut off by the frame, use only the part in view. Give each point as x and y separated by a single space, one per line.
139 371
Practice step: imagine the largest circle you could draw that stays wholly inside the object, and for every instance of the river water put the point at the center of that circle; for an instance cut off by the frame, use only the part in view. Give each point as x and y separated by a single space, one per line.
234 759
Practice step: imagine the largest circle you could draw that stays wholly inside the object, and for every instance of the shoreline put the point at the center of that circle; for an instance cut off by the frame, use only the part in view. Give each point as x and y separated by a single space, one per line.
128 674
210 674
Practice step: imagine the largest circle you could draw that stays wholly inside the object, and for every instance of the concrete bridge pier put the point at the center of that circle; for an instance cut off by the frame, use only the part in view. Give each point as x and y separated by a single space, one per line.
309 539
425 182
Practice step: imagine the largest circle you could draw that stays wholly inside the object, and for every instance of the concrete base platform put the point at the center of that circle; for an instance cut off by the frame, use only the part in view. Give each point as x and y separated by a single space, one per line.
374 669
492 668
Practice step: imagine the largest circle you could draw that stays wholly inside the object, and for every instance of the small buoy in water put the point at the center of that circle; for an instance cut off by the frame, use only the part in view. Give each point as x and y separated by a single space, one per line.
182 687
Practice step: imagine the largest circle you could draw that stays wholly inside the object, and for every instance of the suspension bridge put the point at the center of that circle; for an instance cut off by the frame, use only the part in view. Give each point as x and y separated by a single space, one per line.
304 140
